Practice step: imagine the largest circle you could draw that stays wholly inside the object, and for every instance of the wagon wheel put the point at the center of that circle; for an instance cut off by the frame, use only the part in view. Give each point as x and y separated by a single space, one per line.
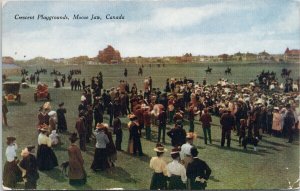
35 97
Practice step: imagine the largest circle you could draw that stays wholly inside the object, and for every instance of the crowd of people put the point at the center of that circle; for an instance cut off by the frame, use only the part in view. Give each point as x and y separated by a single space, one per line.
247 110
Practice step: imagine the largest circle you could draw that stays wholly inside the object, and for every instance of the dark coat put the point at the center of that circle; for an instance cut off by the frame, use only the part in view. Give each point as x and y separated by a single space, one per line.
227 121
197 168
29 163
61 119
76 169
178 136
80 126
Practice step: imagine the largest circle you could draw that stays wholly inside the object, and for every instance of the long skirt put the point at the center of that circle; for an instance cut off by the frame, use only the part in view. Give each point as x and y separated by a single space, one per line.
46 158
100 161
78 182
159 181
175 183
11 174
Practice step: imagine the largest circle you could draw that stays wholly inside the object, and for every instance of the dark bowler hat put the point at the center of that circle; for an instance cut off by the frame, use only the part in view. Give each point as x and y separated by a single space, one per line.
61 104
30 148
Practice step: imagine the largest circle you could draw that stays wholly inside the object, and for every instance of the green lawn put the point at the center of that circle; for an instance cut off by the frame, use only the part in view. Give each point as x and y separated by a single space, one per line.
233 168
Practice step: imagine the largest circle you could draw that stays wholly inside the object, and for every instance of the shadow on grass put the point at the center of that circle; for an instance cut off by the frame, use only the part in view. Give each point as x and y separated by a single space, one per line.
241 150
55 174
212 178
119 174
273 143
82 187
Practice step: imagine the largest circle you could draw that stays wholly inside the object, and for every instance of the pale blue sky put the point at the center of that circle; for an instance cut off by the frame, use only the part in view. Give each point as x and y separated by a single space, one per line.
152 28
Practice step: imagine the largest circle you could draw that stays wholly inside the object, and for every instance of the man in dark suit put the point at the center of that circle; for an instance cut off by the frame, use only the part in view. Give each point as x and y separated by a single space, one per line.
162 118
29 165
197 171
227 122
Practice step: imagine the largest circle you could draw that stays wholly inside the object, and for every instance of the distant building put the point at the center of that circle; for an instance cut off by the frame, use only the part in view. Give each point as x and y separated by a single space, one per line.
109 55
223 57
188 57
58 60
292 55
264 56
7 60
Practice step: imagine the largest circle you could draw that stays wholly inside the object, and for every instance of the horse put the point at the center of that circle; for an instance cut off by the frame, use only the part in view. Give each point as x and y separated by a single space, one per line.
228 71
208 70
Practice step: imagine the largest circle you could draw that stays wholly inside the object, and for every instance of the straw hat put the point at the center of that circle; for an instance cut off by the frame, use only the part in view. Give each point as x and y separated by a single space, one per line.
101 126
276 108
191 135
131 116
47 106
175 150
160 148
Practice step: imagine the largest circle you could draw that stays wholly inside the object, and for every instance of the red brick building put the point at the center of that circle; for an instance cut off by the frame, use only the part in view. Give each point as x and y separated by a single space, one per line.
109 55
292 55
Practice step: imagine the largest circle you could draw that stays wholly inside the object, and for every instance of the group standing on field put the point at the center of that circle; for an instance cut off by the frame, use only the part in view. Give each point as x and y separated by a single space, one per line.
248 111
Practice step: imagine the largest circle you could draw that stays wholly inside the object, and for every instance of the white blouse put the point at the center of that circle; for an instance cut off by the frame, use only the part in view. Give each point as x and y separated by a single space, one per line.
11 152
175 168
44 140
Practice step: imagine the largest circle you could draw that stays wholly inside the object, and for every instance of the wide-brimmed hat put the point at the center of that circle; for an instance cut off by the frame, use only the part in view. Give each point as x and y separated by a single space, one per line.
191 135
51 113
160 148
47 106
61 104
73 137
10 140
175 150
131 116
101 126
276 108
27 150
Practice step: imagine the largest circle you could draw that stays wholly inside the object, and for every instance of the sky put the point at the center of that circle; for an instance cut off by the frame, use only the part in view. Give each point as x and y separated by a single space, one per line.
151 28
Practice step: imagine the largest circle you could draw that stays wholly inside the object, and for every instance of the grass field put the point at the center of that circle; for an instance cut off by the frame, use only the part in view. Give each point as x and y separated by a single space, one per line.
233 168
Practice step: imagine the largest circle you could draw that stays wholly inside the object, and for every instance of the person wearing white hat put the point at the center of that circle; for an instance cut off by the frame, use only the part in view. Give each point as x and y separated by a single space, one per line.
159 165
176 172
52 120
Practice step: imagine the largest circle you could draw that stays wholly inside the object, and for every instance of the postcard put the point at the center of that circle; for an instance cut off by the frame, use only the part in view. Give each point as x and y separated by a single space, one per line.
154 95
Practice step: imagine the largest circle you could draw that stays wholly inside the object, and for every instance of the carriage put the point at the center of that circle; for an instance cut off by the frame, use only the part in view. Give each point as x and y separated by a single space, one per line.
41 92
11 91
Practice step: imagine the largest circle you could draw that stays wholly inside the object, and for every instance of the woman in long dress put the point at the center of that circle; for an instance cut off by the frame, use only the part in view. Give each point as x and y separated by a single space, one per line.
176 172
111 148
159 165
11 173
100 161
46 159
277 120
61 119
77 174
